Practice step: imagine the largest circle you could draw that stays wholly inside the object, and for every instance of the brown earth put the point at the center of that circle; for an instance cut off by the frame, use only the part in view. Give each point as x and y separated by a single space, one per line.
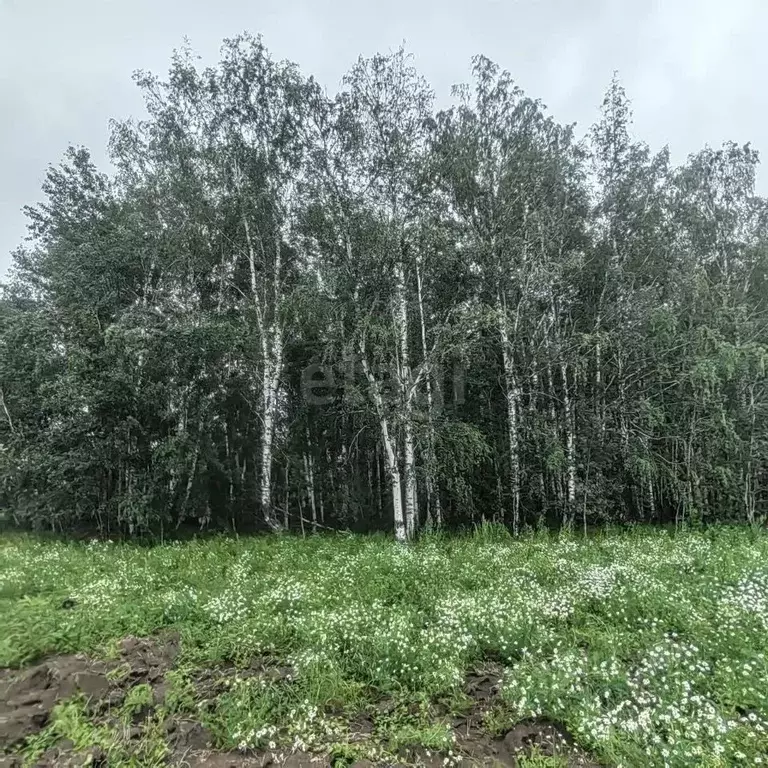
477 747
28 696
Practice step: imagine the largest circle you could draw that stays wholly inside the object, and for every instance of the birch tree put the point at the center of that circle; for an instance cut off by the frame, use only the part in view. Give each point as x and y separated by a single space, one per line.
257 319
380 122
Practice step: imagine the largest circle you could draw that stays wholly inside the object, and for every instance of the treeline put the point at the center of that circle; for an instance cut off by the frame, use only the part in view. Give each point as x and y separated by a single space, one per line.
286 309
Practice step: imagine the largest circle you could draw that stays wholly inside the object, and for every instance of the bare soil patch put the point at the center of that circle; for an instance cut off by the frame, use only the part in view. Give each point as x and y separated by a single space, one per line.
542 737
476 746
28 696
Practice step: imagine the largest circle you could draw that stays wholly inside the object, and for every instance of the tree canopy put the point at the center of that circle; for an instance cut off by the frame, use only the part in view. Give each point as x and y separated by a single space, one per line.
285 309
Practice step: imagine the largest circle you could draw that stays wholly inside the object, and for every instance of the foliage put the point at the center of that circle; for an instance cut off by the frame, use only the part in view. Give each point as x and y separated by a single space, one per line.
288 309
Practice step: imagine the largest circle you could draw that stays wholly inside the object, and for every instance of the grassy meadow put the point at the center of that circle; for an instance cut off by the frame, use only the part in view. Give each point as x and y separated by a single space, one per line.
649 648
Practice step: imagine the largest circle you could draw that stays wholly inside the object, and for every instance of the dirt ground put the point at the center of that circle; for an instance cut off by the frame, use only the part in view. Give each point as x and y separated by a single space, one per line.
28 696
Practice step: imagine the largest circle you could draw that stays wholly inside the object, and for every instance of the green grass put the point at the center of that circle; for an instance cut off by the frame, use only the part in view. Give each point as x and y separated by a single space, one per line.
71 722
652 648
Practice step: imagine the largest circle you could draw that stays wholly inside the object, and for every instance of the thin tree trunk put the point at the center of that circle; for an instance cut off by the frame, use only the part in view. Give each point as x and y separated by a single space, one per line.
190 481
651 497
193 468
230 478
432 498
691 477
599 377
272 370
570 449
512 396
369 476
379 484
266 457
409 468
310 480
538 442
331 476
586 486
411 504
556 477
390 454
286 520
343 469
6 411
749 480
272 352
499 516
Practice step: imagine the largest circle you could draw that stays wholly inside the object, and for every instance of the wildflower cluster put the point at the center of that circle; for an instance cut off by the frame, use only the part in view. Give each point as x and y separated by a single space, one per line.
652 649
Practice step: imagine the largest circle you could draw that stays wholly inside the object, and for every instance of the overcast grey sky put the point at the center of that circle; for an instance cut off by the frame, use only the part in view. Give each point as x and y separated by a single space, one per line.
694 69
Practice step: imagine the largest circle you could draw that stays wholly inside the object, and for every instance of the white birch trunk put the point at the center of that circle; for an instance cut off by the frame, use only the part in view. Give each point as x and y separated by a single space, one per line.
272 368
750 502
512 396
570 448
390 454
651 497
401 324
411 504
344 472
379 493
432 497
272 353
310 478
599 390
287 499
532 408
